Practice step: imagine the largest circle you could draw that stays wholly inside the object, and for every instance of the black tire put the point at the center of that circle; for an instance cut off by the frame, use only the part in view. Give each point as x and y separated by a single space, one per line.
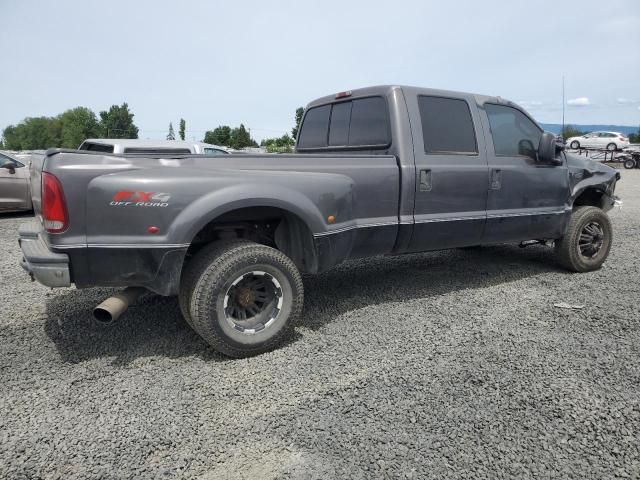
629 163
245 297
575 145
192 272
587 242
612 147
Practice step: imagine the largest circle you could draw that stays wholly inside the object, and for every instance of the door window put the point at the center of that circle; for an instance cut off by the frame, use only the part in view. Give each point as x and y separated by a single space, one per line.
4 159
447 126
513 133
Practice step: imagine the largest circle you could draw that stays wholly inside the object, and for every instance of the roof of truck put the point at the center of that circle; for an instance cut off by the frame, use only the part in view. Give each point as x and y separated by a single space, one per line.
384 89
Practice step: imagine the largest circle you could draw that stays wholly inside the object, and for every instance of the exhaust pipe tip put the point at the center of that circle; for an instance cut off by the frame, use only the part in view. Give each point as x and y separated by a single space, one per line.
103 315
113 307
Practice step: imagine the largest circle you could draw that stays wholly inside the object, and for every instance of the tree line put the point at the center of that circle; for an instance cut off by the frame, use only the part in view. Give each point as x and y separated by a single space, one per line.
240 137
70 128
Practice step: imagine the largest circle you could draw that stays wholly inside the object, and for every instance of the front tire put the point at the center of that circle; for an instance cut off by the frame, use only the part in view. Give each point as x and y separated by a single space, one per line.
612 147
587 242
575 145
629 163
245 298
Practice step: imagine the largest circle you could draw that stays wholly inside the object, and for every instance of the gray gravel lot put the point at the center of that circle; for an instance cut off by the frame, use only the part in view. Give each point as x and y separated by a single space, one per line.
451 364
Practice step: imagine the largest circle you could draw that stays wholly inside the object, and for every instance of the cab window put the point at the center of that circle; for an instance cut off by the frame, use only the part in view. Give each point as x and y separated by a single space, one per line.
361 122
513 133
447 126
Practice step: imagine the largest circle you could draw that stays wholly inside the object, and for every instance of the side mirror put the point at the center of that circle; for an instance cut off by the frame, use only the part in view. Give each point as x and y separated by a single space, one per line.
8 165
525 148
548 149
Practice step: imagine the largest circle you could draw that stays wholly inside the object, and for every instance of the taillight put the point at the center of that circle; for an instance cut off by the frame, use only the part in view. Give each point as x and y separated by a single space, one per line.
54 208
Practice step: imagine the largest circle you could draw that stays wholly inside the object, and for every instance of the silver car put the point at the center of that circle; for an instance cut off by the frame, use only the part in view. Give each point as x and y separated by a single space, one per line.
15 189
126 145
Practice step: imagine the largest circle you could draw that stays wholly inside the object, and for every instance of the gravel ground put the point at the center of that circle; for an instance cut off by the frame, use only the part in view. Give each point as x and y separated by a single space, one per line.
452 364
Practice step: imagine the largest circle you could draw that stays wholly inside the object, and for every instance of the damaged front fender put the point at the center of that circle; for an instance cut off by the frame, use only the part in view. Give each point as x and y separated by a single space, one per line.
591 182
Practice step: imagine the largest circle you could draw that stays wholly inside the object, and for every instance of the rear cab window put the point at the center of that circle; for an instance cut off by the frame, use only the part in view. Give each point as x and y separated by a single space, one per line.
359 123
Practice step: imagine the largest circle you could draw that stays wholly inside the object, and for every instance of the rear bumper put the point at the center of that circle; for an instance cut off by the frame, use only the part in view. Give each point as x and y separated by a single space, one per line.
48 268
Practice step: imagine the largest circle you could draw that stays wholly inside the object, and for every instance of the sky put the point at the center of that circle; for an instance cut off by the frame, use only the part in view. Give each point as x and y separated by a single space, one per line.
254 62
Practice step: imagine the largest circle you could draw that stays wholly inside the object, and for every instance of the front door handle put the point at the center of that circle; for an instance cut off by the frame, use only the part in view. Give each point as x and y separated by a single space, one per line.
425 180
496 179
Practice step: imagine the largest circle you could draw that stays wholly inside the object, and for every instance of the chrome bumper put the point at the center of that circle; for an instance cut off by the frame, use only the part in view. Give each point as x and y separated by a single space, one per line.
48 268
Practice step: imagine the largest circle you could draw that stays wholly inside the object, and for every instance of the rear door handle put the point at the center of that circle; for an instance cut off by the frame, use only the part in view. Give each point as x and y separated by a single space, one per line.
425 180
496 179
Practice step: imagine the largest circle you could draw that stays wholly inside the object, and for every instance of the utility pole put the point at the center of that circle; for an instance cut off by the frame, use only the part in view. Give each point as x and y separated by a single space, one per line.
562 131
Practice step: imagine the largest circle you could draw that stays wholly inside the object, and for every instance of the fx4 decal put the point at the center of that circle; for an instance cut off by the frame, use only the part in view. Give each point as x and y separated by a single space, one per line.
140 199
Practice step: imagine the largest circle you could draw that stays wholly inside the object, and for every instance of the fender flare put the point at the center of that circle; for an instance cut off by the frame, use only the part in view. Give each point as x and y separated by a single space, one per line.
211 206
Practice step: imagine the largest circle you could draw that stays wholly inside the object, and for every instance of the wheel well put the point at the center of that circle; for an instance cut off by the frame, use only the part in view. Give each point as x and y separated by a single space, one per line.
271 226
590 196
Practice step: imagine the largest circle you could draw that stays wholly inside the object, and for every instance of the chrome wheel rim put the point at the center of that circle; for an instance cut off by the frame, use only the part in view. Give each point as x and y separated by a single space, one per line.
253 302
591 240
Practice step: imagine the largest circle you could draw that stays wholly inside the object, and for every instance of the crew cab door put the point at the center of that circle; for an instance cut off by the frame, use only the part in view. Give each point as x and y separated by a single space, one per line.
527 199
451 172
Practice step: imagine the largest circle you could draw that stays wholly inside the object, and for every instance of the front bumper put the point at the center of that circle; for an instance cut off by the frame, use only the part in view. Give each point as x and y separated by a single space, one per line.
48 268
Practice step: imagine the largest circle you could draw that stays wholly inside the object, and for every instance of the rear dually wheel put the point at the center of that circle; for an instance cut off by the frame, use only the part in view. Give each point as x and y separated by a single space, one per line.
244 297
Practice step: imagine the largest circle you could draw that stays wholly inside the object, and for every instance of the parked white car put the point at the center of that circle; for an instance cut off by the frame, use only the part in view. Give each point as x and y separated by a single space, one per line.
125 145
605 140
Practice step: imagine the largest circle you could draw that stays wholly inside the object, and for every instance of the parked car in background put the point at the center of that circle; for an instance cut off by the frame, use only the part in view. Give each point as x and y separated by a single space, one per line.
15 188
606 140
127 145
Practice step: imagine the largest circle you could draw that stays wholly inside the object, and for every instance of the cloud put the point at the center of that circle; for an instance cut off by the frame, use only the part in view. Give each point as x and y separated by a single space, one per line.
579 102
625 101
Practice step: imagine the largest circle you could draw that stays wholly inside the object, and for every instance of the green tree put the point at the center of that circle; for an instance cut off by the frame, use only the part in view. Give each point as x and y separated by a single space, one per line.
118 122
570 131
171 135
11 140
635 137
75 126
283 144
241 138
294 130
219 136
33 133
183 128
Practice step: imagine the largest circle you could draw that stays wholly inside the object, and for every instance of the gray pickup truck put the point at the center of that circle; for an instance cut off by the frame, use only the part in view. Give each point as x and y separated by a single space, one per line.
384 170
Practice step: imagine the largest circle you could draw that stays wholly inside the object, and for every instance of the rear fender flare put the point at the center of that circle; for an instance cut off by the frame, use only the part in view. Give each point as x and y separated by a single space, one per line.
211 206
